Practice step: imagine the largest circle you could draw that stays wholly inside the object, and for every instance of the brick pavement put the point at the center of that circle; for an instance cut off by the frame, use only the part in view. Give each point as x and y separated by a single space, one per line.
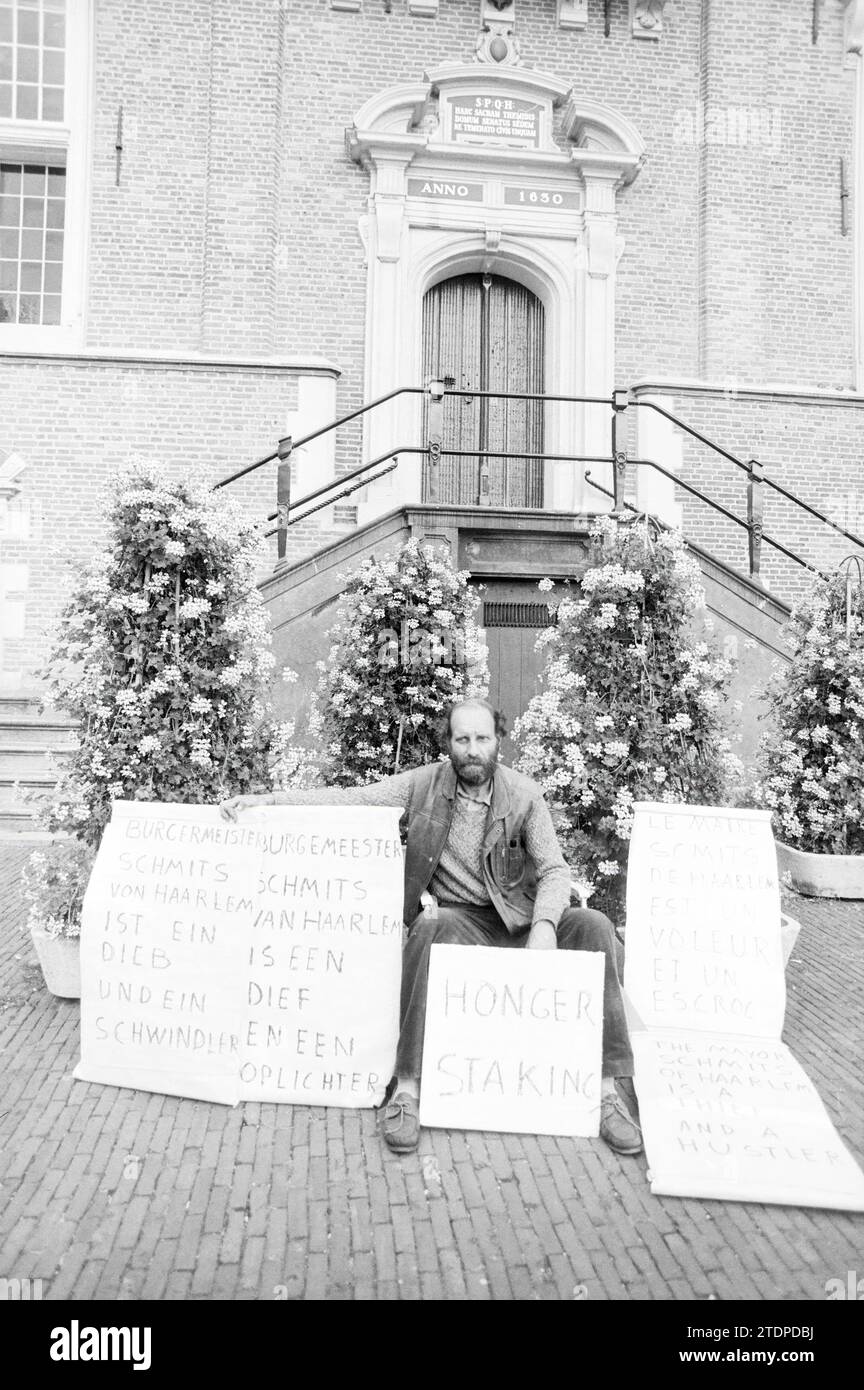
118 1194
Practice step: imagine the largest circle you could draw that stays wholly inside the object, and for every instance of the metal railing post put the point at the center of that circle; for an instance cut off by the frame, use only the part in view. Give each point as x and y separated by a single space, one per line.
283 499
434 435
620 401
755 516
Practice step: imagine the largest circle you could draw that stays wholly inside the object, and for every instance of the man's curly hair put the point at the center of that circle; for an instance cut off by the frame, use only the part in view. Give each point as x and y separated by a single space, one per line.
444 726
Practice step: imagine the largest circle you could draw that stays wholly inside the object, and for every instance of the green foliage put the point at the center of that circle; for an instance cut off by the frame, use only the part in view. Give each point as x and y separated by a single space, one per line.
162 655
54 880
811 759
405 644
630 706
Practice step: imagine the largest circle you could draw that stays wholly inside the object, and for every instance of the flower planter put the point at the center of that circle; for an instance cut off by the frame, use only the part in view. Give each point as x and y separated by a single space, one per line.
60 959
822 875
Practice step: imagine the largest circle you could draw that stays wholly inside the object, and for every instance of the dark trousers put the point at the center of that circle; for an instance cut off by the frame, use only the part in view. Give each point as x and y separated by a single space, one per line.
580 929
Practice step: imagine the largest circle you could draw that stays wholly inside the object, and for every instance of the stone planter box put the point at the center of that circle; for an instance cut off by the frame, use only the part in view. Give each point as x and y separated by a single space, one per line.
60 959
822 875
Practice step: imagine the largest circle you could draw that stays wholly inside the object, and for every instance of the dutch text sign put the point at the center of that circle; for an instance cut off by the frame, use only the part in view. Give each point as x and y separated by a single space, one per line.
259 960
513 1040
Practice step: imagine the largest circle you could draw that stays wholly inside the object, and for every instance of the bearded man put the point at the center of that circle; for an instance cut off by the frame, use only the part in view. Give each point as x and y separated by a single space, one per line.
483 867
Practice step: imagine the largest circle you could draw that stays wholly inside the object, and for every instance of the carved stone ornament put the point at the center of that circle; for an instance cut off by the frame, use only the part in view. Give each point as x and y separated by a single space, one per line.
572 14
646 18
496 42
854 26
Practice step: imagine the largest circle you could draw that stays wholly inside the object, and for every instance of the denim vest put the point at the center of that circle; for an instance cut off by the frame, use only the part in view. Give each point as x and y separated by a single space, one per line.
507 868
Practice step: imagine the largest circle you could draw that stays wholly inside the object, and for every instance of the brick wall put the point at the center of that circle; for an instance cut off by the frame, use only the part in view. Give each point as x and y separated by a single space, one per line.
235 230
76 425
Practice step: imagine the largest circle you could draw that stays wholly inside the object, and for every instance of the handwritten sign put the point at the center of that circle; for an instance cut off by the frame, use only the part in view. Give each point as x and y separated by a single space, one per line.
321 1002
726 1111
258 960
738 1118
703 921
513 1040
496 118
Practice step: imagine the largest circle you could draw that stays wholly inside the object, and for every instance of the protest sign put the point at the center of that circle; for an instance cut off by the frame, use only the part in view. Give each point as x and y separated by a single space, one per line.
258 960
321 1003
166 916
513 1040
725 1109
738 1118
703 921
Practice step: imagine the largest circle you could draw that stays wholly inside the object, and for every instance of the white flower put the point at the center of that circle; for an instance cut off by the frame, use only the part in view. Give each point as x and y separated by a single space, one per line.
681 722
608 867
545 586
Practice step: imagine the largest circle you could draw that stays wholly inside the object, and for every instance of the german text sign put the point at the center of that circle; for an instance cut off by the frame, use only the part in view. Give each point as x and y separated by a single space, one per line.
258 960
726 1110
513 1040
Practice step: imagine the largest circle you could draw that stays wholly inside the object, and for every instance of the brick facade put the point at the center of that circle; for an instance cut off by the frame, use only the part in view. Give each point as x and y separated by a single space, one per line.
236 232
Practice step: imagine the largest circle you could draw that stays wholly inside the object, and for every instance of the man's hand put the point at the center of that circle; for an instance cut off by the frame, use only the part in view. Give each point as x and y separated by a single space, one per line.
542 937
228 809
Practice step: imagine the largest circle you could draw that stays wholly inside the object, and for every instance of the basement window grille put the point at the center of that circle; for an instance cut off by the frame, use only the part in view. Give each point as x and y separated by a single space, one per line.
517 615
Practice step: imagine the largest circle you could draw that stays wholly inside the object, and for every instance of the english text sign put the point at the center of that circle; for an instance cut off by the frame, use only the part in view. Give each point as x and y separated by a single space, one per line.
726 1110
513 1040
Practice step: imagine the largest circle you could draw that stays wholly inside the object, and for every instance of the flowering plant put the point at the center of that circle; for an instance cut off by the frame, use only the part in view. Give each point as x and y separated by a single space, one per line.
162 655
811 758
53 881
405 644
630 708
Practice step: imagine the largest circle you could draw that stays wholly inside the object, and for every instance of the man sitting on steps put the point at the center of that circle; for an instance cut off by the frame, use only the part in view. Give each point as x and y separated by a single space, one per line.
481 838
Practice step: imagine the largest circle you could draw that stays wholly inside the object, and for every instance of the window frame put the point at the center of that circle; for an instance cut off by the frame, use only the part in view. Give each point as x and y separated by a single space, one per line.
65 143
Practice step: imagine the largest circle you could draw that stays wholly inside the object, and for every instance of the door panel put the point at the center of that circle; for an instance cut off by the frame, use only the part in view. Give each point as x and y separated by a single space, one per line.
487 332
513 619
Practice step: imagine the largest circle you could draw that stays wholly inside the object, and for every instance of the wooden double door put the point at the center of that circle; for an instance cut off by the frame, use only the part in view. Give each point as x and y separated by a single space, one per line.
486 333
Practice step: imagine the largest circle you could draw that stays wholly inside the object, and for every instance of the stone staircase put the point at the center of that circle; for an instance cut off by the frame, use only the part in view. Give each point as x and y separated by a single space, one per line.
27 738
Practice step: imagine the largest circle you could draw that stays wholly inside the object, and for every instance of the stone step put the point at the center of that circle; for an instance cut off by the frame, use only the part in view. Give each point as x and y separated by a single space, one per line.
17 709
17 761
19 823
34 735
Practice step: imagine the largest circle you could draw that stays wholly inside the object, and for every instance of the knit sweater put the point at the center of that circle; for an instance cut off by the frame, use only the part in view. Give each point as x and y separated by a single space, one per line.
459 875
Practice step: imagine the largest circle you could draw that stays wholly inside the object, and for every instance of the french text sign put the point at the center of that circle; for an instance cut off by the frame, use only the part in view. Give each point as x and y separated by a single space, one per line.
258 960
726 1111
704 949
513 1040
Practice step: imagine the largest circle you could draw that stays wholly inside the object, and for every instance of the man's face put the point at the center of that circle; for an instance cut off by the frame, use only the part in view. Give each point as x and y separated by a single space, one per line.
473 745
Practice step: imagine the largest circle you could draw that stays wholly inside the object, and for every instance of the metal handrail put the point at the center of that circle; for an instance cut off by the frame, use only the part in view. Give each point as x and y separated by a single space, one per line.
287 513
717 506
775 487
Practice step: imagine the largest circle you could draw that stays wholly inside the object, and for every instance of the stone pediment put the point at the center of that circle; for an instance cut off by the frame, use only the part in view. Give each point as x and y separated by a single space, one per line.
476 111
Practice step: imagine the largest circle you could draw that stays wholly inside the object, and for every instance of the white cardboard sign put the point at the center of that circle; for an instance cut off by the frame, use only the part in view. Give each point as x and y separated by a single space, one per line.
258 960
726 1110
703 921
513 1040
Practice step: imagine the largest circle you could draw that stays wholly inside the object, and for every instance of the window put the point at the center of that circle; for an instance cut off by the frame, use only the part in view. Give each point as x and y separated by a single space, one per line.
32 59
32 205
44 108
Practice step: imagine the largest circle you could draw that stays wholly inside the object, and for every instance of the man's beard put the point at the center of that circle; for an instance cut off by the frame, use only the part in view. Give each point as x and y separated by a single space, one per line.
472 769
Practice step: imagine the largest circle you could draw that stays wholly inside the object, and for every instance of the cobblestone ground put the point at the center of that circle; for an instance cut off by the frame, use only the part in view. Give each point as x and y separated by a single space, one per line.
117 1194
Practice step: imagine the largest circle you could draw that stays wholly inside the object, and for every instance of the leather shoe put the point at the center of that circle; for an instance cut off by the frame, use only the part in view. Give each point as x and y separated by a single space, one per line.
400 1123
618 1127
